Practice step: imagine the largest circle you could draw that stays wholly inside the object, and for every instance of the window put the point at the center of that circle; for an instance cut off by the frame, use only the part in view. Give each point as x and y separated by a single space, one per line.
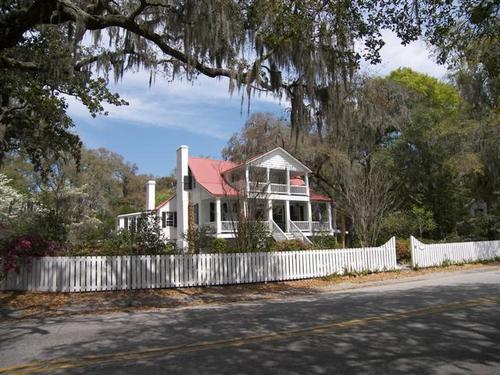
224 215
212 212
133 224
196 213
125 223
168 219
189 181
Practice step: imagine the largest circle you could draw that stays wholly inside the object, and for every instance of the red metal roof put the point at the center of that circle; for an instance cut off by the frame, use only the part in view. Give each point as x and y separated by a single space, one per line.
208 173
318 197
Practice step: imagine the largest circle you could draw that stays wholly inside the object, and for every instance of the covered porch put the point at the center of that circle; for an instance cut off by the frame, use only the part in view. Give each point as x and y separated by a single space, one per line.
222 215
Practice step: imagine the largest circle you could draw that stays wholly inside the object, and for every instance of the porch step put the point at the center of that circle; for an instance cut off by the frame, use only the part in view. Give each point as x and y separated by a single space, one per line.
289 236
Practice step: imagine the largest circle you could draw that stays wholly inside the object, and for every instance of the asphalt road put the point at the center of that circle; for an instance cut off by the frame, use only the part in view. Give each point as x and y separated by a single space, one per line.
446 323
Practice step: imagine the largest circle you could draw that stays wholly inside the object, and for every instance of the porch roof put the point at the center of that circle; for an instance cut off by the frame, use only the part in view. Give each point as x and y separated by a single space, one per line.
316 197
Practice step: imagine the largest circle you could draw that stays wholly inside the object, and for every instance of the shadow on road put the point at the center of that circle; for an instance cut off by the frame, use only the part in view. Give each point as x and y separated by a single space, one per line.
457 340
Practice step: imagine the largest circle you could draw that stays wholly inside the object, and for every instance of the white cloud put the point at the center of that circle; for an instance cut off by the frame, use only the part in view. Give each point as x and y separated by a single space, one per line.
204 106
415 55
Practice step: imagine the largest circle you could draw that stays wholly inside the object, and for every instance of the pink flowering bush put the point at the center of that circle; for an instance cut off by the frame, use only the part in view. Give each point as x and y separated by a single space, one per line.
19 249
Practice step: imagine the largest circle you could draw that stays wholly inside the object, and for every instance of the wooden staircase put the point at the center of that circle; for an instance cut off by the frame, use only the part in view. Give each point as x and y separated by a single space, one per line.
294 234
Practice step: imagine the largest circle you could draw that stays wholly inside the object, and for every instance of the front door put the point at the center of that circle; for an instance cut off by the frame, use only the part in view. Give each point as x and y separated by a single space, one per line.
279 215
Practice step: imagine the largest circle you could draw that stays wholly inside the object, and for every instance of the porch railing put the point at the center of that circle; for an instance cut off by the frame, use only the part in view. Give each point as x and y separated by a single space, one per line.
228 226
302 225
259 186
298 190
275 188
318 226
279 188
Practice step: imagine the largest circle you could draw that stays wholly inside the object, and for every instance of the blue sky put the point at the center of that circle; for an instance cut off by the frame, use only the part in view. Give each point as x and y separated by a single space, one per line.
200 114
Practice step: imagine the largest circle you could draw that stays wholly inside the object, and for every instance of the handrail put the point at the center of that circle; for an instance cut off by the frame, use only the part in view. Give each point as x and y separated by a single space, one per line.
276 232
297 233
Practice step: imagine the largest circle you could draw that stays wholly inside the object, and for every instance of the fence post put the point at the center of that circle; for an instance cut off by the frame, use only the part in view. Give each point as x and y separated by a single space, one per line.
413 246
394 253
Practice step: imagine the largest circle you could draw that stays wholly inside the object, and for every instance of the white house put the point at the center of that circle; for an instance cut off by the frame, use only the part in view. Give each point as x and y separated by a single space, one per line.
272 187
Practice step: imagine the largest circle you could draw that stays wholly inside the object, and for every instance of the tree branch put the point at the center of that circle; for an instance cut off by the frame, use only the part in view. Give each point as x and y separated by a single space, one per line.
8 63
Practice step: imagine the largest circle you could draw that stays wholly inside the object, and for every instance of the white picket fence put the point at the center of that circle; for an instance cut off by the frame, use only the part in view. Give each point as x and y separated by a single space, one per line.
79 274
423 255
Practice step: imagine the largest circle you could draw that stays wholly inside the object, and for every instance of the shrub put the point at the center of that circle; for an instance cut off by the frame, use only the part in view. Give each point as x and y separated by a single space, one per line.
219 245
252 236
146 239
19 249
403 251
324 242
290 245
199 239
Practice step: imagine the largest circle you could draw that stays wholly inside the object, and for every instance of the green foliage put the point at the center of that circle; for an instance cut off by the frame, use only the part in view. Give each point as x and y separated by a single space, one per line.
403 224
480 227
422 219
12 201
436 157
85 200
290 245
251 236
219 245
146 239
33 118
200 239
306 50
324 241
446 263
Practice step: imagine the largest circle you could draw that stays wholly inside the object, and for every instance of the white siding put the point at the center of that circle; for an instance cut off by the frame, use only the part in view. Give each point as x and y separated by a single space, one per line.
279 160
169 232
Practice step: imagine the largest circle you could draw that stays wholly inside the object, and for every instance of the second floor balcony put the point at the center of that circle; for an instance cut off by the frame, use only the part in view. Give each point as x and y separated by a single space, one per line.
278 182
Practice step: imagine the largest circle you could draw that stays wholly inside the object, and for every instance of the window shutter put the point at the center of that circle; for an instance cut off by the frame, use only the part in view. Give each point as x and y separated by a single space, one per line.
188 183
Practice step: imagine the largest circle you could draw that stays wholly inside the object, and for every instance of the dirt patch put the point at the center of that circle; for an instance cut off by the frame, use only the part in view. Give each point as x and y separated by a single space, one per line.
20 305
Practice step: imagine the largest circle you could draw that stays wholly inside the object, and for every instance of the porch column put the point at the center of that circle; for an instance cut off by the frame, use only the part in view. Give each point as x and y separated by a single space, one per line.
329 210
287 181
309 215
268 179
287 215
270 213
306 179
218 224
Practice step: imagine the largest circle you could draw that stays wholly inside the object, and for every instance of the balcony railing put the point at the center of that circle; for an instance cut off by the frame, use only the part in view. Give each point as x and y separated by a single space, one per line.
279 188
298 190
275 188
258 186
